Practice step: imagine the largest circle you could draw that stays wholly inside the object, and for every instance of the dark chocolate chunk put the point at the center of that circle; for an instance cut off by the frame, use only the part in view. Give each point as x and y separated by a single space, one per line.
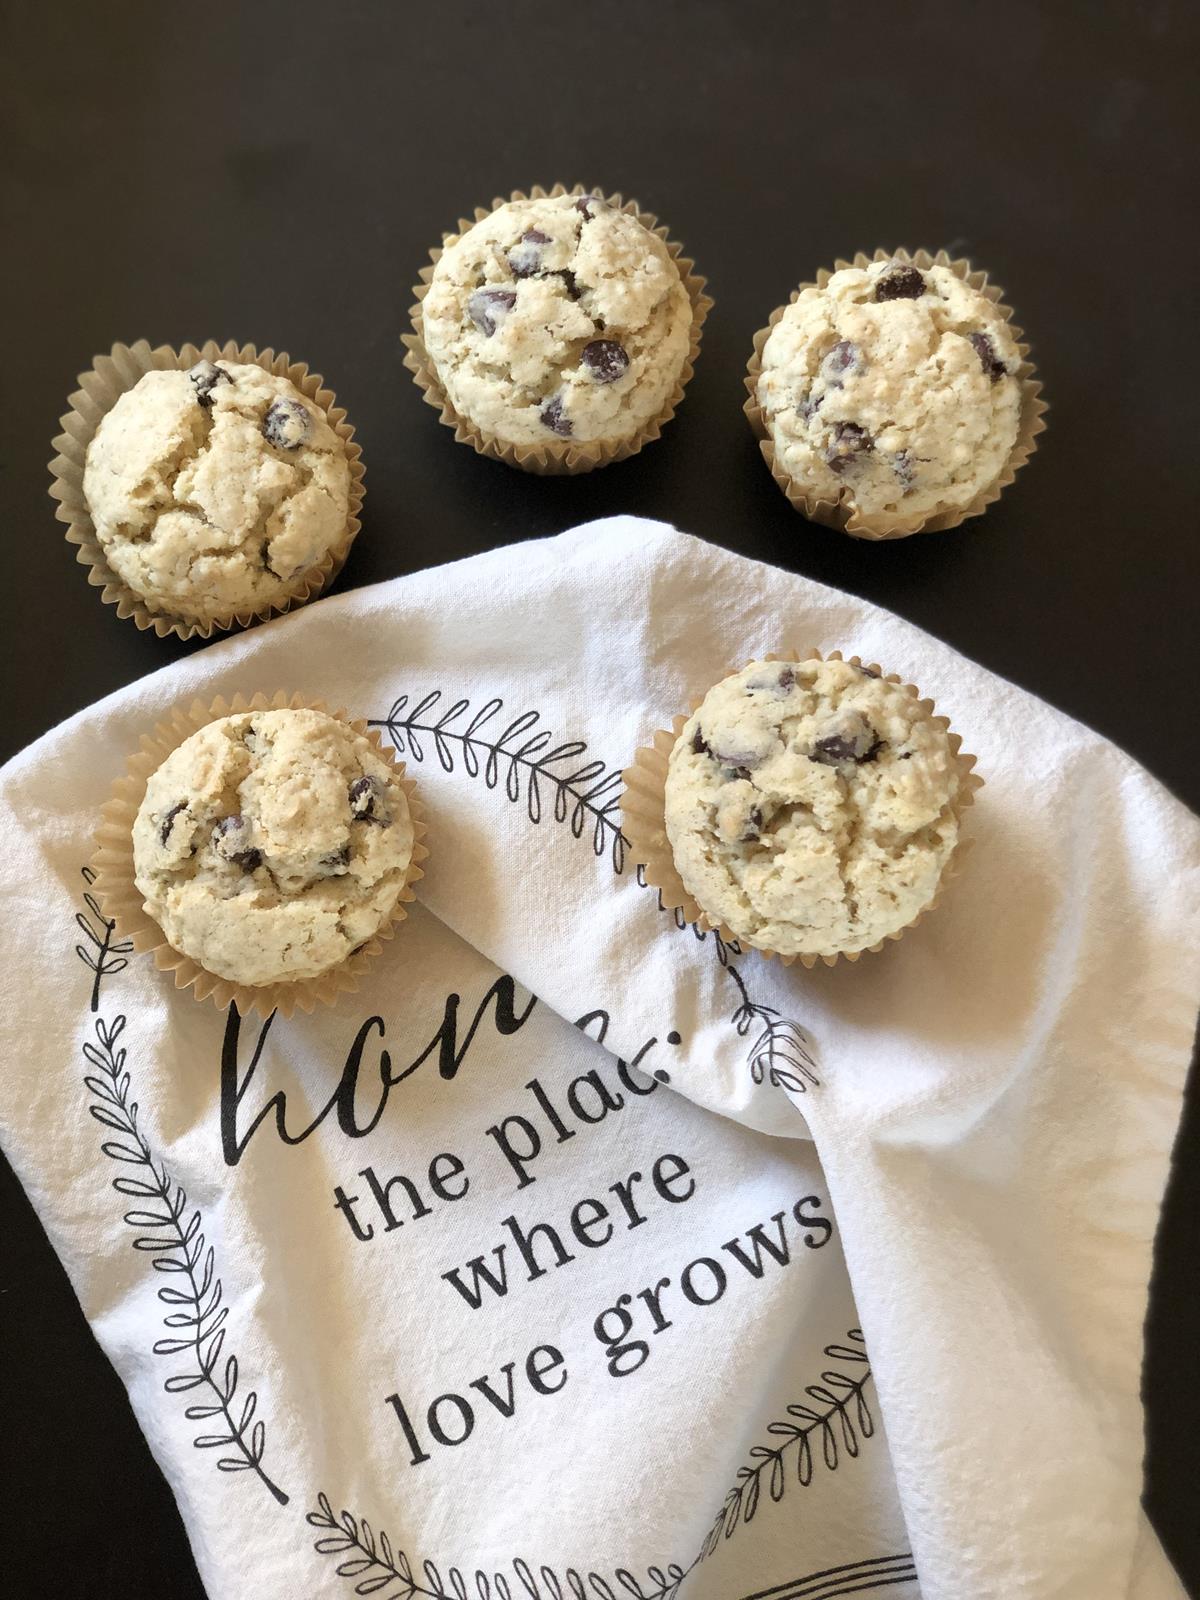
698 743
568 278
787 677
836 748
606 360
554 418
742 761
525 257
986 351
487 308
754 822
367 801
589 204
287 424
844 357
168 821
900 283
849 442
337 860
205 376
231 841
808 407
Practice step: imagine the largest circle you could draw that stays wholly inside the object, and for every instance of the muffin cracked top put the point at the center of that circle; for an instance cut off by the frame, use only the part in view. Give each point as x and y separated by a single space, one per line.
271 845
557 319
212 491
893 388
811 807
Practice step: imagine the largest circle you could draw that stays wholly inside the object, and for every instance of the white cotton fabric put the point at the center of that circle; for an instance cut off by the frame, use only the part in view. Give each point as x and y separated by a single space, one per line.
973 1179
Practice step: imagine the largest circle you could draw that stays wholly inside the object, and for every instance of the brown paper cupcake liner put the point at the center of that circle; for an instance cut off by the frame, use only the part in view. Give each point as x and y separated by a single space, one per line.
552 458
122 900
643 819
837 513
99 390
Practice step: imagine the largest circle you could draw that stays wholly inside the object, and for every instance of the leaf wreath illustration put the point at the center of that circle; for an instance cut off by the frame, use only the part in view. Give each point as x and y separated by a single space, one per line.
834 1413
106 955
381 1569
172 1235
524 760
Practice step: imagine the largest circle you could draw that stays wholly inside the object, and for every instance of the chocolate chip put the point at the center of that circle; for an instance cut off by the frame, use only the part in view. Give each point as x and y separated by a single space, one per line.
589 204
900 283
868 672
287 424
836 748
986 351
554 418
231 841
606 360
525 257
754 822
367 797
699 746
849 442
568 278
905 469
337 860
808 407
743 762
829 752
168 821
205 376
487 308
844 357
787 677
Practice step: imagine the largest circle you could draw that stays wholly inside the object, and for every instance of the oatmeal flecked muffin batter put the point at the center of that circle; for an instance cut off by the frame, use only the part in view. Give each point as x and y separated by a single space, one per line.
557 319
811 807
893 387
271 844
213 490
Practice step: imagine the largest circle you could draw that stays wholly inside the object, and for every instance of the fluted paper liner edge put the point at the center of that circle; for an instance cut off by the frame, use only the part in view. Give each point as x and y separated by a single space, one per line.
837 513
567 457
100 388
643 818
122 901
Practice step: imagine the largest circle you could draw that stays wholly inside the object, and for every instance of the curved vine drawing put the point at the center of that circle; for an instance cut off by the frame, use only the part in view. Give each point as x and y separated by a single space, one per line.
835 1413
378 1568
170 1233
107 955
173 1237
581 794
523 760
781 1051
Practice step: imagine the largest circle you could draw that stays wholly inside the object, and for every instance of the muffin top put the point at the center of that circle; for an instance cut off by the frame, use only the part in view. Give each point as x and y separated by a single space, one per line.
213 490
557 319
271 844
893 388
812 807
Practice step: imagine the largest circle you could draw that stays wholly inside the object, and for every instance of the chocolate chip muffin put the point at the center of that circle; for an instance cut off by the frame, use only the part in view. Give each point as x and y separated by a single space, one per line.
213 491
892 389
812 807
555 319
272 844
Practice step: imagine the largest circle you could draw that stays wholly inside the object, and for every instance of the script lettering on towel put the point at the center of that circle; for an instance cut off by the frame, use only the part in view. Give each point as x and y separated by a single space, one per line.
345 1100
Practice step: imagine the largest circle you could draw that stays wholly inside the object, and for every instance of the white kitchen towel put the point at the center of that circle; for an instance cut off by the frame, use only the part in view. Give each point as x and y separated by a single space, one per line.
449 1292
